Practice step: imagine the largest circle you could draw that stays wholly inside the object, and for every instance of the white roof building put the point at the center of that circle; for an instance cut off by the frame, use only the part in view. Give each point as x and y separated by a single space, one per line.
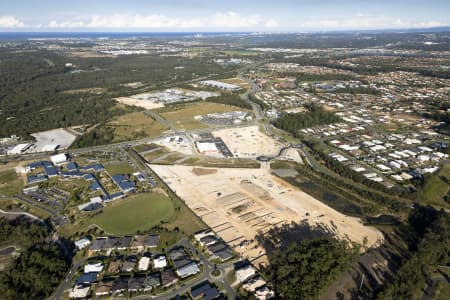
383 167
160 262
220 85
82 243
264 293
89 268
59 158
207 148
245 273
188 270
143 264
254 284
79 292
20 148
50 148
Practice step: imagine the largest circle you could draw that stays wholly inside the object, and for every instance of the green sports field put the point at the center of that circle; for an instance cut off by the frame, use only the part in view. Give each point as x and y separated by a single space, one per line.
140 212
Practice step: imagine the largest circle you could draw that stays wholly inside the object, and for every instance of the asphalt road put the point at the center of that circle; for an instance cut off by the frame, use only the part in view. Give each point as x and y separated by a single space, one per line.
8 250
68 280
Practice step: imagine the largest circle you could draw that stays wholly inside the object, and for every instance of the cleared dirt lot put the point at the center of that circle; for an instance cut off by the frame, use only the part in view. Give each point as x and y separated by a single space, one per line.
146 104
237 81
239 204
59 137
248 142
179 144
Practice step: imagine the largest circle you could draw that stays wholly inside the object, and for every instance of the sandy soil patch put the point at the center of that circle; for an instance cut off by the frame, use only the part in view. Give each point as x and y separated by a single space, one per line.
139 103
292 154
295 110
134 85
237 81
248 142
179 144
203 171
89 54
97 90
239 204
60 137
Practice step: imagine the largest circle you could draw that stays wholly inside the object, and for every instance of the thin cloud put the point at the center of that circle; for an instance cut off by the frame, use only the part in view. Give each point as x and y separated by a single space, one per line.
227 19
361 21
271 23
10 22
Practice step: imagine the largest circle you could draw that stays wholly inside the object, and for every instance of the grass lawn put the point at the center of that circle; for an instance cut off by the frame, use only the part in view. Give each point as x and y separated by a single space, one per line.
145 147
443 292
10 183
135 125
436 187
237 81
156 153
213 162
119 168
19 206
185 219
182 116
140 212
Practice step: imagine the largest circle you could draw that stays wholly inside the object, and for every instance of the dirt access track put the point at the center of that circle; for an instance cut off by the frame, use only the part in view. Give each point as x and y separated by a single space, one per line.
239 204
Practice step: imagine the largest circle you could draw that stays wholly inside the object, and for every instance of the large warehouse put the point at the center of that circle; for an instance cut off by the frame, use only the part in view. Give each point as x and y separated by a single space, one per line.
220 85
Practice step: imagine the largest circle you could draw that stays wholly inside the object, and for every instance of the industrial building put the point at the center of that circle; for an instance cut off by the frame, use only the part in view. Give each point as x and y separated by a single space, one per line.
220 85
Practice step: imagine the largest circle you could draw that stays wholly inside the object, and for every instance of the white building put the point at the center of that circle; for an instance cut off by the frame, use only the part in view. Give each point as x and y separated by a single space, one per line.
97 268
82 243
264 293
220 85
245 273
160 262
188 270
208 148
18 149
143 264
59 159
79 292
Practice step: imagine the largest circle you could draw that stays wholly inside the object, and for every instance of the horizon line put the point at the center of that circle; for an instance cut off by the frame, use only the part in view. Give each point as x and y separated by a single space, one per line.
445 27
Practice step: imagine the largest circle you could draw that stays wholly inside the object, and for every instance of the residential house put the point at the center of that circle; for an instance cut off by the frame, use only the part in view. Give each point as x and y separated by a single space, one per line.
168 278
86 278
153 280
159 262
80 292
152 241
138 243
104 287
115 266
120 285
82 243
144 263
124 243
96 267
244 270
205 291
136 283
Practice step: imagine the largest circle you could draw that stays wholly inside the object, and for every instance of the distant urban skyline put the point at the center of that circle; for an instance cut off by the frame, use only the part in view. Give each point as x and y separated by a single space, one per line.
215 16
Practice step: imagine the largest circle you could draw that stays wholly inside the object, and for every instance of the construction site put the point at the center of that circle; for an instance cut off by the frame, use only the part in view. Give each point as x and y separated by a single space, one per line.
248 142
239 204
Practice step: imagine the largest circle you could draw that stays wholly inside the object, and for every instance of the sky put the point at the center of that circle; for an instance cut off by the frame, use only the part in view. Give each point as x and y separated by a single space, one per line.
220 15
